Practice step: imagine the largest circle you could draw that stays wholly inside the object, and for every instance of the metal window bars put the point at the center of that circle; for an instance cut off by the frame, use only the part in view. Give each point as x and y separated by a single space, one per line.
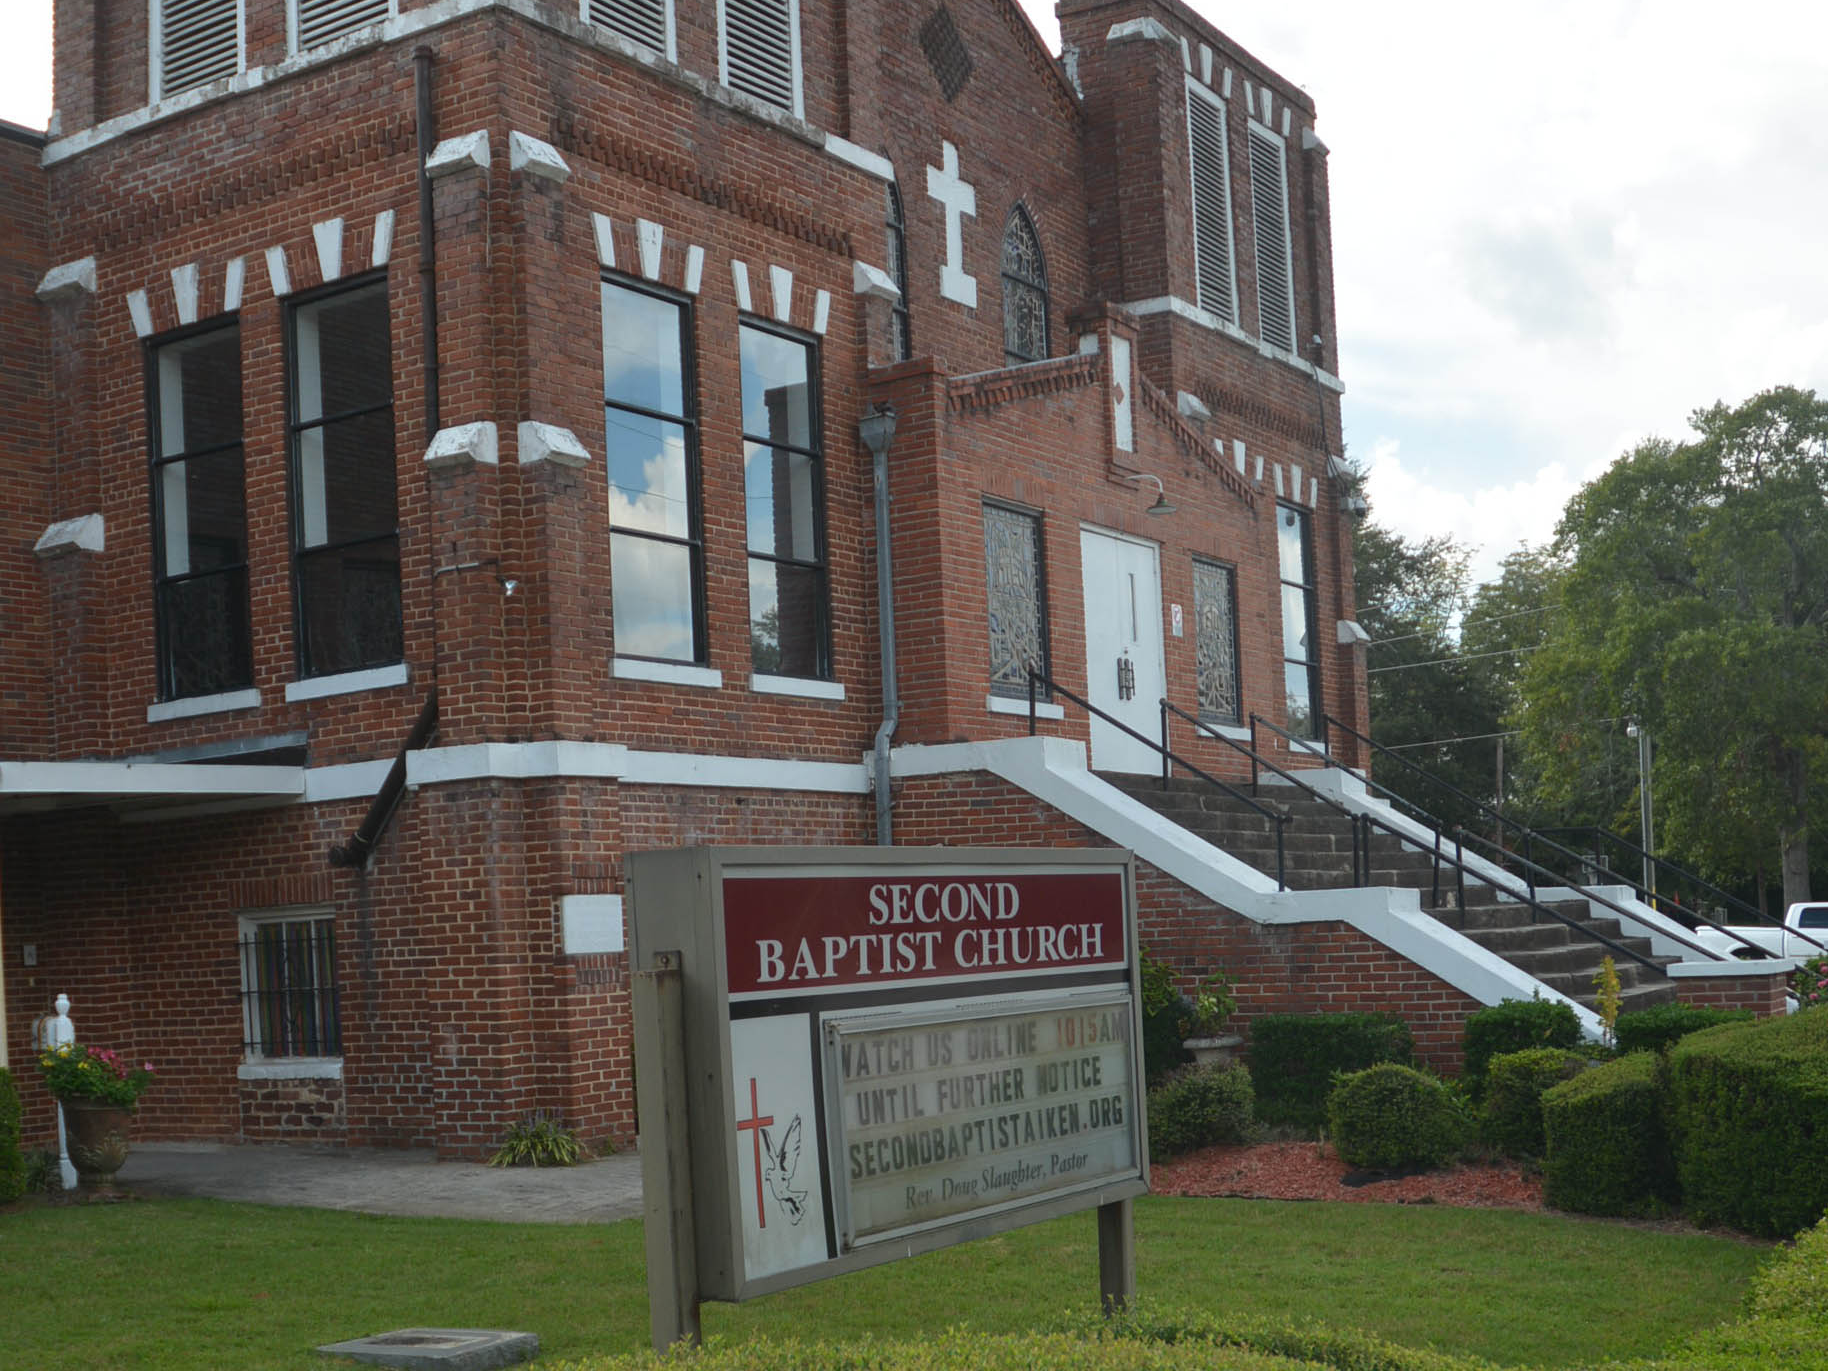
291 1000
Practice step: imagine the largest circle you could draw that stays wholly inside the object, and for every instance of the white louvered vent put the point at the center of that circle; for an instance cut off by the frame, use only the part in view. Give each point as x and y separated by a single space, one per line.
639 21
199 40
759 49
1269 208
319 21
1211 205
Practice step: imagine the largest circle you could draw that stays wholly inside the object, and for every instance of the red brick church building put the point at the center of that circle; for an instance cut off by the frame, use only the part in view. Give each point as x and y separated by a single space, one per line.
446 448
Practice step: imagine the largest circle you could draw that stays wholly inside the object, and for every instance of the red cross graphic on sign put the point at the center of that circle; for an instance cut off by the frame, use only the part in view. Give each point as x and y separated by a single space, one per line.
755 1123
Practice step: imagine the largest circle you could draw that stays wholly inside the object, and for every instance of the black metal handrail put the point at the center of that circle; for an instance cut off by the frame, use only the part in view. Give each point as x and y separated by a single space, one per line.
1458 862
1277 821
1361 837
1528 838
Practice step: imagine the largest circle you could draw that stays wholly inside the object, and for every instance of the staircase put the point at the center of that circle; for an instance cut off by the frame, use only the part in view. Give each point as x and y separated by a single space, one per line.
1318 855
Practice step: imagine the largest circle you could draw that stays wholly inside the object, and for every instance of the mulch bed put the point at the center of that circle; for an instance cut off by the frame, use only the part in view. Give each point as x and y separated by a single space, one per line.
1310 1171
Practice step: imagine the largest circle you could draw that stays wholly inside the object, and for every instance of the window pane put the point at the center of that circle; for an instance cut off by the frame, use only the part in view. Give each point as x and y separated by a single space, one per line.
1298 686
781 492
1291 544
1295 624
349 605
1024 322
343 360
205 623
1216 642
200 392
777 392
346 479
651 597
647 474
1012 569
785 633
204 513
642 361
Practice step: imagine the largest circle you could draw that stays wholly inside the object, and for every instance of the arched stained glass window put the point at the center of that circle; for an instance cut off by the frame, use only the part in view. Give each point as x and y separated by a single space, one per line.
897 227
1024 292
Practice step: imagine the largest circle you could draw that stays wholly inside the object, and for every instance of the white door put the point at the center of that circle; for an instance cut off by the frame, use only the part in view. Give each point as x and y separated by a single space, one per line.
1123 646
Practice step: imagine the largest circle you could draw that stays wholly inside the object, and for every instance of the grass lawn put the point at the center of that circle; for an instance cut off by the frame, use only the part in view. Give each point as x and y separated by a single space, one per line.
200 1283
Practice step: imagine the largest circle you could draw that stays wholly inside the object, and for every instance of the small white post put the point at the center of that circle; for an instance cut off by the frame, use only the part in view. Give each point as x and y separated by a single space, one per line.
59 1032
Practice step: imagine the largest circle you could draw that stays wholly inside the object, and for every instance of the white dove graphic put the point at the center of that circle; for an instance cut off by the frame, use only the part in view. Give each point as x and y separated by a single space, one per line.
782 1163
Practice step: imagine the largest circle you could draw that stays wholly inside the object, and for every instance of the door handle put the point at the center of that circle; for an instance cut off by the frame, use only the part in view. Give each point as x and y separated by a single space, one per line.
1126 678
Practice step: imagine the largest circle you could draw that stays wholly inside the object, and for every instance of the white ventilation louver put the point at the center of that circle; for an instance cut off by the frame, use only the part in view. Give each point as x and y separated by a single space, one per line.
199 41
319 21
758 49
639 21
1269 208
1211 206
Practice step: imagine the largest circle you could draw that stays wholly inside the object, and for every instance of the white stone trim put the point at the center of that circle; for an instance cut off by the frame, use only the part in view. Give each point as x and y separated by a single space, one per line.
139 780
1191 406
873 283
474 444
163 711
1351 633
1186 309
84 533
746 773
1310 142
539 442
234 281
780 286
1123 423
803 686
666 673
1764 966
277 273
650 239
139 308
821 312
536 157
860 157
605 231
695 268
67 279
345 781
958 200
328 237
590 924
346 683
516 762
184 292
739 277
466 152
1148 30
383 246
1004 704
291 1069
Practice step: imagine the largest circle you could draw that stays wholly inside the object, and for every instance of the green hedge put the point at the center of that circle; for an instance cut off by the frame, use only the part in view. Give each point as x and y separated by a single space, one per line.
1748 1108
1164 1011
12 1160
1294 1057
1607 1152
1653 1030
1511 1121
1514 1026
1388 1116
1199 1106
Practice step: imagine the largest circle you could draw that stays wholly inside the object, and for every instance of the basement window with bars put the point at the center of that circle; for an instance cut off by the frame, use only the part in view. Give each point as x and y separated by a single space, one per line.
1275 253
317 22
1210 160
194 42
291 1005
758 45
647 22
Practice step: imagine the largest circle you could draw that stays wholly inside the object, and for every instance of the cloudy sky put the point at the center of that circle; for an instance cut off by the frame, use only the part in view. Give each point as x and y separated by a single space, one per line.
1558 228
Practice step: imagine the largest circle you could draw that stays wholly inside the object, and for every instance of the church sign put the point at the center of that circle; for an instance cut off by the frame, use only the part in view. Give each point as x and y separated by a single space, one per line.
884 1051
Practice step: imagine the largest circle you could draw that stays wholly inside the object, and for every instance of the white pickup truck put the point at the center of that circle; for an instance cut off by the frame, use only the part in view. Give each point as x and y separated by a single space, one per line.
1809 918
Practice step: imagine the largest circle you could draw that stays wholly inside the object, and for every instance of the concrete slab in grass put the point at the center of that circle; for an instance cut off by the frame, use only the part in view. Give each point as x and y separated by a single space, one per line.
439 1349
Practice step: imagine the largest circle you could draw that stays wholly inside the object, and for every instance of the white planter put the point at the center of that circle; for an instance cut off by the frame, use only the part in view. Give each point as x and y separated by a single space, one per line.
1219 1051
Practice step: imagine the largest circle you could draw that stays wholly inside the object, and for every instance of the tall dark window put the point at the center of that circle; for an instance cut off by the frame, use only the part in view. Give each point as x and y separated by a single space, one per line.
345 519
1024 292
199 514
759 43
655 550
1017 594
897 228
1210 162
1275 252
1300 659
1215 637
784 485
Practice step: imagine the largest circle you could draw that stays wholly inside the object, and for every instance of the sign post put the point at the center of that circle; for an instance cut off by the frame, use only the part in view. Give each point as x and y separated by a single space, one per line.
846 1056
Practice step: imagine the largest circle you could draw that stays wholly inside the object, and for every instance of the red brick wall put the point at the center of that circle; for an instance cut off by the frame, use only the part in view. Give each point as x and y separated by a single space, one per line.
1763 995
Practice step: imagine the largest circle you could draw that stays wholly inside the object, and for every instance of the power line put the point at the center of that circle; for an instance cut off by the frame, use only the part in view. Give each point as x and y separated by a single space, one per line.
1442 742
1464 657
1475 623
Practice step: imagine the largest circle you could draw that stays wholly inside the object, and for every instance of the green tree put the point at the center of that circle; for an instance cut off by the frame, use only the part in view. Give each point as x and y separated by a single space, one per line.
1695 598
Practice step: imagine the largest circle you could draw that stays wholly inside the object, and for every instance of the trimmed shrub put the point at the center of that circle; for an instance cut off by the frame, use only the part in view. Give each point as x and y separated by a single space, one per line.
1607 1152
1306 1345
1164 1010
1748 1109
1389 1116
1198 1106
1294 1057
1514 1084
1513 1026
1654 1029
12 1160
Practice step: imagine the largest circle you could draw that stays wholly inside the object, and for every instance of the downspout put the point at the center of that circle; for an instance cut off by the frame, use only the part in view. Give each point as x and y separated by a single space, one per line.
876 429
428 243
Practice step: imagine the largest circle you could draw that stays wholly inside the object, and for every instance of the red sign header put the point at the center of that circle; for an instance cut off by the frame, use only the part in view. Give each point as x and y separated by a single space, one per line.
796 935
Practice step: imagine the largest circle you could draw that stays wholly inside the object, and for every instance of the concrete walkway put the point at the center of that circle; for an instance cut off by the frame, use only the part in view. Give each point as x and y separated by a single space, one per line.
385 1181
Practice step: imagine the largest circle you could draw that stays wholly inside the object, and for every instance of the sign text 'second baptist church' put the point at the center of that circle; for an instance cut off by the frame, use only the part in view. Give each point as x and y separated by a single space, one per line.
905 1045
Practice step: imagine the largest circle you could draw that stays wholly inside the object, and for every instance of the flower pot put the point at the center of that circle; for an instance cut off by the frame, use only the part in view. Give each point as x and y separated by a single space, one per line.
1217 1051
97 1138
